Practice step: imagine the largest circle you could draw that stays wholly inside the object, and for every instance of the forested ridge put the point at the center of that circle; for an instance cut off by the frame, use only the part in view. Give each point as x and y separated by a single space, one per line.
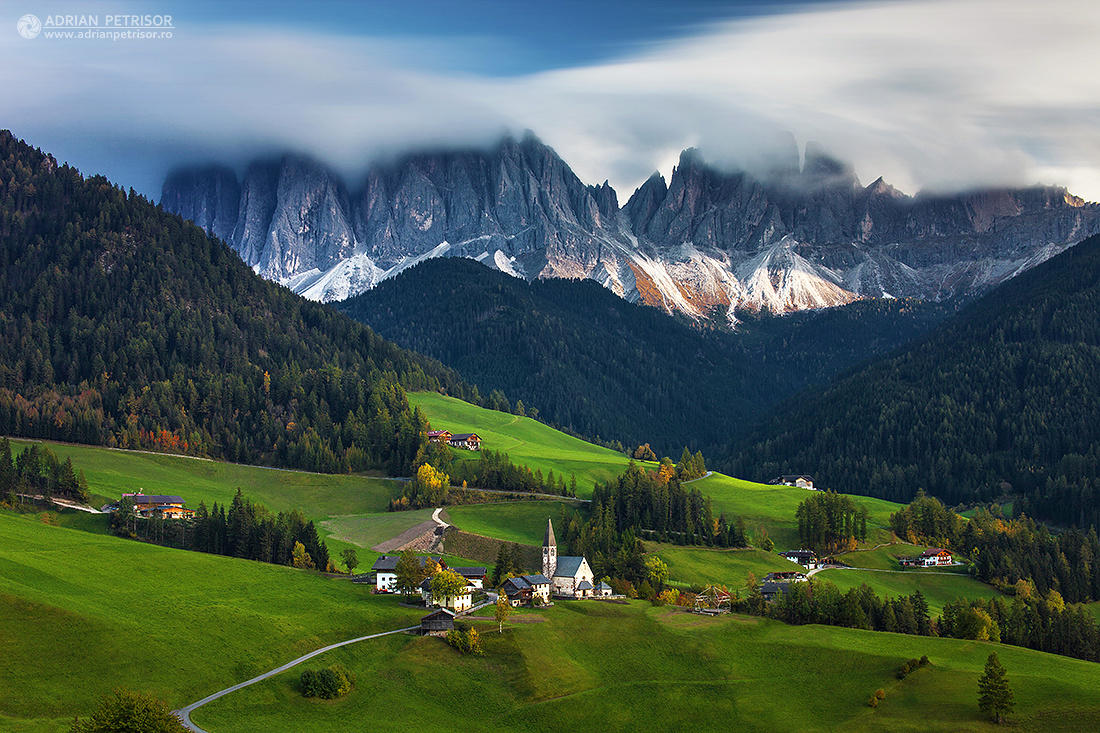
595 365
1000 401
123 325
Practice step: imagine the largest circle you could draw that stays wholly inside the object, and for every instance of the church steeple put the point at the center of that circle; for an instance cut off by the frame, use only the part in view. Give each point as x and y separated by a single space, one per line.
549 551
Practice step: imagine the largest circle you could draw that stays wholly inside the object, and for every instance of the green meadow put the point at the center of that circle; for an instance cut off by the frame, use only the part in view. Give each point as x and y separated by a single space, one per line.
82 613
602 666
515 521
111 473
938 587
773 507
703 566
368 530
526 441
881 558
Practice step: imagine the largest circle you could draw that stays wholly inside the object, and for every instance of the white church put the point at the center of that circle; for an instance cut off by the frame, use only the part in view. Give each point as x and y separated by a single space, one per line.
570 575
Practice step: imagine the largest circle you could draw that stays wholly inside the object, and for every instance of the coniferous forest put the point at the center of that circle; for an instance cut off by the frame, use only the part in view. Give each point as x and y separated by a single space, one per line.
999 402
598 366
122 325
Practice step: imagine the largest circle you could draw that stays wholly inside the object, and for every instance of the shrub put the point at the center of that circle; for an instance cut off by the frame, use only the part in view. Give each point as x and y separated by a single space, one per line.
873 702
924 662
327 684
880 694
467 641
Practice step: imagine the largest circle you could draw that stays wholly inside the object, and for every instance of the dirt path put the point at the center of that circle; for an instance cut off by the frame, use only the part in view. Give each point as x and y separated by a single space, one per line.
410 534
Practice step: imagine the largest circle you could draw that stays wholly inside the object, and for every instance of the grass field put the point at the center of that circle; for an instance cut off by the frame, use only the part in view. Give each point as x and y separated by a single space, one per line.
368 530
696 565
597 666
516 521
774 508
112 472
881 558
83 613
526 441
938 588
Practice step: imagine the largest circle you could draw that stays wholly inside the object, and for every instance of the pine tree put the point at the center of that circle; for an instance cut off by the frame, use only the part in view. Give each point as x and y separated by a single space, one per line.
995 697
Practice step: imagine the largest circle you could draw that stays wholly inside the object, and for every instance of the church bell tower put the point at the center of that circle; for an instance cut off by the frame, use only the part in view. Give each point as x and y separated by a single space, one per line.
549 551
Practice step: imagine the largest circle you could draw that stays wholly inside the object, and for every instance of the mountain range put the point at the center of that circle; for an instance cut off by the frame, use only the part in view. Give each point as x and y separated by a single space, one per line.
707 242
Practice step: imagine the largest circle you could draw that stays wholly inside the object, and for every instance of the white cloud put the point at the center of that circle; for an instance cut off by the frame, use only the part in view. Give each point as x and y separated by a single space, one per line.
931 94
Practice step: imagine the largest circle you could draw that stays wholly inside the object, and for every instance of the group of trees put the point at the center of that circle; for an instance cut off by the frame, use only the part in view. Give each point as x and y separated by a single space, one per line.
1043 622
829 522
821 602
327 683
1000 402
123 325
38 472
495 470
1007 551
243 529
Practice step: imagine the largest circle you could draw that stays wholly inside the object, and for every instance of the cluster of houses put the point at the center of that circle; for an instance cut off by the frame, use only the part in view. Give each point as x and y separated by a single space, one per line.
806 558
464 441
931 557
800 480
163 506
775 584
385 581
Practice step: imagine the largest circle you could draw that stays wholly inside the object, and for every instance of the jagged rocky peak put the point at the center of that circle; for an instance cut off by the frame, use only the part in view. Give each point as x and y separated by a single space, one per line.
207 195
764 233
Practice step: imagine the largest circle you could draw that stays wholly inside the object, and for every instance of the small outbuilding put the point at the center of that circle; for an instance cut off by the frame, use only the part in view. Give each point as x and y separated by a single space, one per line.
437 623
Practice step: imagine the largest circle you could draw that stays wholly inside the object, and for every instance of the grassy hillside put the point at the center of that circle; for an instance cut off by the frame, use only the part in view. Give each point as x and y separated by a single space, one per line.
368 530
112 472
527 441
667 668
82 614
881 558
938 587
519 521
774 507
697 565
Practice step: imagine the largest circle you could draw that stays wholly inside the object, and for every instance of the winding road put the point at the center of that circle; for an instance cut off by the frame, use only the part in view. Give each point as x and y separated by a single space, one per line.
184 713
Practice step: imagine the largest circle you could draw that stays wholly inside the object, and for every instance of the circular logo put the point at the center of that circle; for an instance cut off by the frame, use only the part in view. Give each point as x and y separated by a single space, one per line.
29 26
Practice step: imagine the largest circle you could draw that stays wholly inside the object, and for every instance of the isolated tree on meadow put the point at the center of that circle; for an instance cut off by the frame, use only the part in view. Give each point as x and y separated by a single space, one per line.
995 697
351 559
502 610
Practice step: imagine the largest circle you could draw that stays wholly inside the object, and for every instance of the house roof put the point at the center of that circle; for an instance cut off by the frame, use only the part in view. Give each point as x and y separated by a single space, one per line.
568 566
932 552
584 585
772 588
464 436
437 433
388 563
515 584
602 586
470 572
442 613
799 553
549 540
537 579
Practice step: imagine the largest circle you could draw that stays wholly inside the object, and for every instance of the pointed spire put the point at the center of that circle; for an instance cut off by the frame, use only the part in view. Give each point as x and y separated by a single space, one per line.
550 540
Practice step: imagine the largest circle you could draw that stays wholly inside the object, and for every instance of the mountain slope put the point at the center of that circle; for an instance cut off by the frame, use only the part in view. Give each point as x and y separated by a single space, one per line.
999 401
123 325
599 366
803 236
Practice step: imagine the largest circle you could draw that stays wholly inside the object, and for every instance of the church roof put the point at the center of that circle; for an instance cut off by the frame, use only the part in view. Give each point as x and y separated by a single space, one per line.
568 566
584 585
549 540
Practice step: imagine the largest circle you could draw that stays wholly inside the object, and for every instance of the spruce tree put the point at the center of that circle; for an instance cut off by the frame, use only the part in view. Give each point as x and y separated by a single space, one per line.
995 697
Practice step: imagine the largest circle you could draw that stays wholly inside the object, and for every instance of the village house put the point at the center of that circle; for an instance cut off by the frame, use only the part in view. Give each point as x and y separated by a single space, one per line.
459 603
787 576
439 436
805 558
465 441
802 481
523 590
475 577
385 571
159 505
603 590
772 589
931 557
437 623
570 576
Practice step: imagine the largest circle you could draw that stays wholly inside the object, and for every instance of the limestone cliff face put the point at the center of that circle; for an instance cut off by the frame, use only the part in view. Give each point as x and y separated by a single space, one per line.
804 236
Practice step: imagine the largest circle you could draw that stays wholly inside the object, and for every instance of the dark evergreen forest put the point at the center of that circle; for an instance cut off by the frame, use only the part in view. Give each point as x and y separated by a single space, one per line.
123 325
1000 402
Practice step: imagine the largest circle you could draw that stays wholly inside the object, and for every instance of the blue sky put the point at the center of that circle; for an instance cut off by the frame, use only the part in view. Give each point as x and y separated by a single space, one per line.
932 94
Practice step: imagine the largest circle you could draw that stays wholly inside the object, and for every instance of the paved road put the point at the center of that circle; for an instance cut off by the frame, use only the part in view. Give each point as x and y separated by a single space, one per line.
708 474
437 520
184 713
